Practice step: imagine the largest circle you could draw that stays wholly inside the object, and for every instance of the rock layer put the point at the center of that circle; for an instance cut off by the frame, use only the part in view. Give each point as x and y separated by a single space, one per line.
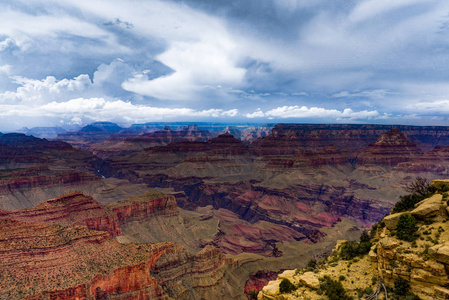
69 210
390 149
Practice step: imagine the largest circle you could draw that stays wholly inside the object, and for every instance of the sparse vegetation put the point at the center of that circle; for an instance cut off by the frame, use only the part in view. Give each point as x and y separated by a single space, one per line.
252 294
333 289
350 250
419 186
286 286
311 264
418 189
407 228
401 287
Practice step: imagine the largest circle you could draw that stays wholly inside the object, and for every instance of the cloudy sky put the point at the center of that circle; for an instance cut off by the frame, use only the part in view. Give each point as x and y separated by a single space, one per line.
68 62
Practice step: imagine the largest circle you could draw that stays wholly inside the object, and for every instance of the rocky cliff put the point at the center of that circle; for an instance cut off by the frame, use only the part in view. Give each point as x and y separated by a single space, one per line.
119 145
151 204
69 210
391 148
409 257
293 138
434 162
50 252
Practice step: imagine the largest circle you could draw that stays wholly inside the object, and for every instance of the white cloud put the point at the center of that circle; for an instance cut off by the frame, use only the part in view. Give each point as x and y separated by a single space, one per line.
200 49
41 30
91 109
49 89
431 107
230 113
257 114
5 69
285 112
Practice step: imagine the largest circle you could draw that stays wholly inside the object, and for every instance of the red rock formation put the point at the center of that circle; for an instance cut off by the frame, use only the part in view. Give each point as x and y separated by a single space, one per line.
293 138
257 281
139 208
236 235
435 161
56 262
23 181
69 210
391 148
224 144
127 144
329 155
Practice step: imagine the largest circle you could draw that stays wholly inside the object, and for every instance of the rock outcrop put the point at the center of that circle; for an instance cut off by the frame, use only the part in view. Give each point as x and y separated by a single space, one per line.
390 149
418 265
294 138
73 209
70 261
152 203
434 162
120 145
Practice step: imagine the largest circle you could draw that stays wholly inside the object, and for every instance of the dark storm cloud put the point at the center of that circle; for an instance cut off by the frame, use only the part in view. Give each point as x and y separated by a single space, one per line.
321 60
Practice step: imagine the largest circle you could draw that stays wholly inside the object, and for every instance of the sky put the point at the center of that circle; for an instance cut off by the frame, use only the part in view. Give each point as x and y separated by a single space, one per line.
66 62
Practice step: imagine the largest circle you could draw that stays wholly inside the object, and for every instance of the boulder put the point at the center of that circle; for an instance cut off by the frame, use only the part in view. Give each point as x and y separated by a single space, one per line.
271 289
429 207
391 221
310 280
439 183
440 252
389 243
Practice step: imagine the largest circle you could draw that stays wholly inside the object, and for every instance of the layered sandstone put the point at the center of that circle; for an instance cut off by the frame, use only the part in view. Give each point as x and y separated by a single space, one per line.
69 210
49 261
150 204
293 138
391 148
29 179
435 161
121 145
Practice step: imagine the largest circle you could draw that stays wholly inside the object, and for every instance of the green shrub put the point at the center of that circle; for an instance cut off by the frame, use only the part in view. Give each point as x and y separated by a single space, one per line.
349 250
407 202
286 286
252 294
418 189
341 278
312 264
401 287
407 228
334 290
444 188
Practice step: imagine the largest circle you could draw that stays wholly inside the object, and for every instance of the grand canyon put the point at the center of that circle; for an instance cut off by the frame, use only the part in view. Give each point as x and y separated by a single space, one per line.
195 213
224 150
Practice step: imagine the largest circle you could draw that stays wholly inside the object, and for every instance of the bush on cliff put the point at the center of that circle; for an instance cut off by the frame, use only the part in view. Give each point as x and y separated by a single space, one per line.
286 286
407 202
349 250
419 189
401 287
407 228
333 289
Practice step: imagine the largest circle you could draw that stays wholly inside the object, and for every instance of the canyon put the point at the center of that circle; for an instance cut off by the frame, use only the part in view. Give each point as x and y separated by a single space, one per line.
193 213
